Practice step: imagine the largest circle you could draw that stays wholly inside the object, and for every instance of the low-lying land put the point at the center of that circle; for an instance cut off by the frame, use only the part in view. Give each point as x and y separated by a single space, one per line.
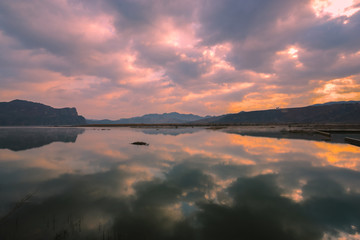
283 127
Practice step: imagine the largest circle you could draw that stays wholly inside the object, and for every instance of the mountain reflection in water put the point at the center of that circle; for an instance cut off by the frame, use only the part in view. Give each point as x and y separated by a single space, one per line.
196 185
18 139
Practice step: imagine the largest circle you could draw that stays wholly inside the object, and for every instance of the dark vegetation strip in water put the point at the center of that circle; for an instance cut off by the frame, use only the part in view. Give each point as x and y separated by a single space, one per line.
17 206
353 141
326 134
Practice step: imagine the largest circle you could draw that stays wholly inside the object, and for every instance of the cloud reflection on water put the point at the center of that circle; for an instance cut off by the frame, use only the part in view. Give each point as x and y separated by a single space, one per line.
199 185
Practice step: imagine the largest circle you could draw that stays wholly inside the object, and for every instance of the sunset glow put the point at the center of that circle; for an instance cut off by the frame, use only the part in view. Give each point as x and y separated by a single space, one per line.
336 8
114 60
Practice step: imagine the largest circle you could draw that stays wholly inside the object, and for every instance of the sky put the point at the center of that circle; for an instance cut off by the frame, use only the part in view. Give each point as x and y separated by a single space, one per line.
123 58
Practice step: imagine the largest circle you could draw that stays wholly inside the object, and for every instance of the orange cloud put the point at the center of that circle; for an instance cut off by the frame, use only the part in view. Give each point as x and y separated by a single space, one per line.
177 56
259 101
343 89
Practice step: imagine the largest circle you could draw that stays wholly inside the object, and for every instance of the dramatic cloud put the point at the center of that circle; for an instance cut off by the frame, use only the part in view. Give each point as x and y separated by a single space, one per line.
114 59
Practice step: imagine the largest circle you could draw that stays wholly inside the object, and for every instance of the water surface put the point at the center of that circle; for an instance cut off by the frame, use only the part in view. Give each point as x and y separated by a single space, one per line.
189 183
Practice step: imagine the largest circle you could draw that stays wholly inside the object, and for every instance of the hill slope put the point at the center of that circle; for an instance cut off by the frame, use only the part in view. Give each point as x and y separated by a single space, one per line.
25 113
344 112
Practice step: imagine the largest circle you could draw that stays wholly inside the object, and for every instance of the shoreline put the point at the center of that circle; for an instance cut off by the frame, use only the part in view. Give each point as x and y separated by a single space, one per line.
291 127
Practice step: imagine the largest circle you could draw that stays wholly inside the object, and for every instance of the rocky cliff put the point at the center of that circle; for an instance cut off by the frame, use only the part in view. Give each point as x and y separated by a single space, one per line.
25 113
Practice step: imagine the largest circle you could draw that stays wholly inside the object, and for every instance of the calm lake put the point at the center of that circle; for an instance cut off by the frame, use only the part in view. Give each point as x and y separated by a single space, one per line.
188 183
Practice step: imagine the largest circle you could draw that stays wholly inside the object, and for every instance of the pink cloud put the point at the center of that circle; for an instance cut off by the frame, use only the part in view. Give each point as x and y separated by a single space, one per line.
123 59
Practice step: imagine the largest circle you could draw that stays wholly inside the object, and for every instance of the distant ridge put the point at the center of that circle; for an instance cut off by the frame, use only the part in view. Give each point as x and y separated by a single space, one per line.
332 112
26 113
331 103
172 117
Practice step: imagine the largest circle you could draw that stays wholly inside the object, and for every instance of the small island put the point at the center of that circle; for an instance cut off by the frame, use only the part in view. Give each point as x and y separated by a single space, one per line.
140 143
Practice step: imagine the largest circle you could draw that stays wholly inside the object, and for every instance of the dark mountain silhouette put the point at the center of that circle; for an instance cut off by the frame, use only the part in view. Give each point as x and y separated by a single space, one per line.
25 113
173 117
335 112
18 139
332 103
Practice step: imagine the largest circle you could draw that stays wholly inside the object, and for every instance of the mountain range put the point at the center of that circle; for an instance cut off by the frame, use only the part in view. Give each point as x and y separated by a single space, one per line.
164 118
333 112
21 113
